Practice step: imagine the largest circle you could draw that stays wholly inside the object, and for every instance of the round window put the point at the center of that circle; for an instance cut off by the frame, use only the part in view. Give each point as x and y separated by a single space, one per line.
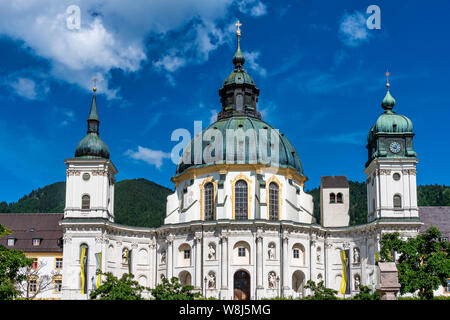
396 176
86 176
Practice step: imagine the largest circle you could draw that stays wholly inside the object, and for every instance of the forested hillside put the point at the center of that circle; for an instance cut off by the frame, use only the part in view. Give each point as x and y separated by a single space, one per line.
137 202
427 195
140 202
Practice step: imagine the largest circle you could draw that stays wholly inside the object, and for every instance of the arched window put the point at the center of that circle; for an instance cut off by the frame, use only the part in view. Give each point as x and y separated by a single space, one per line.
273 201
332 198
241 200
209 201
85 202
397 201
339 198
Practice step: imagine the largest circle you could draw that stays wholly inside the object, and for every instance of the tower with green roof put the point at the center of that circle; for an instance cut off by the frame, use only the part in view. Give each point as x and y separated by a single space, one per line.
391 165
90 175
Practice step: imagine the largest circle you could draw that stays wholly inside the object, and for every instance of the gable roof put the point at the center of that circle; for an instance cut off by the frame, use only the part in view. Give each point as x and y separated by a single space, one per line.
334 182
27 226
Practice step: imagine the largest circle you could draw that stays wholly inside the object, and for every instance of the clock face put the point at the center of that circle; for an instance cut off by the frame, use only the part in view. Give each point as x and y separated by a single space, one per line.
394 147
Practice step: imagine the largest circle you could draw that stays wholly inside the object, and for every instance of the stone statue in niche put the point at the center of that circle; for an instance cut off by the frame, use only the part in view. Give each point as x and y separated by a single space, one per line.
211 252
318 257
272 280
319 277
357 282
124 256
271 251
356 258
211 280
163 257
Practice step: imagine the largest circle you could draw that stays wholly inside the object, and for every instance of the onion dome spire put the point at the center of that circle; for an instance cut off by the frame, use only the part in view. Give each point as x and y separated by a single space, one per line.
238 58
239 94
92 147
388 102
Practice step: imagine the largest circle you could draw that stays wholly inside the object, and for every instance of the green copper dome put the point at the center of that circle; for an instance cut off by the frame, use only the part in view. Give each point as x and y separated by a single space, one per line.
389 121
92 147
287 155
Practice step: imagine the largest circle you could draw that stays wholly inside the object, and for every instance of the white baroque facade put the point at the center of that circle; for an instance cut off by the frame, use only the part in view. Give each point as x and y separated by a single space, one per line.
236 230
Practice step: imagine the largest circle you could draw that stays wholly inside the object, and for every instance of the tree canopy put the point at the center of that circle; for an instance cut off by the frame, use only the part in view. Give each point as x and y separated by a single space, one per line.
113 288
423 264
174 290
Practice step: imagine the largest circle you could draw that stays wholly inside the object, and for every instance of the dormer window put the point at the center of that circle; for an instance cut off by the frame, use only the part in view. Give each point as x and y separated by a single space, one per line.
11 242
394 127
36 242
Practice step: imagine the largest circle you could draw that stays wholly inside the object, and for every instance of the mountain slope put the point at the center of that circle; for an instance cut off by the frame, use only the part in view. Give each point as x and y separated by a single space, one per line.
138 202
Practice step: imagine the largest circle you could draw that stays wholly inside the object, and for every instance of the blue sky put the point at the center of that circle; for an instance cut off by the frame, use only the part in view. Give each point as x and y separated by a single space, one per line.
160 64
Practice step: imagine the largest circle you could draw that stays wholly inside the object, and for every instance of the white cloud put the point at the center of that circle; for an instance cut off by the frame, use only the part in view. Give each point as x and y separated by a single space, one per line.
28 88
170 63
213 116
253 7
251 60
152 157
353 29
112 34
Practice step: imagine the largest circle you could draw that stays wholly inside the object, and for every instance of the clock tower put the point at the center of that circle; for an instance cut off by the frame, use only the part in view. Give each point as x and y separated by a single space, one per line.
391 166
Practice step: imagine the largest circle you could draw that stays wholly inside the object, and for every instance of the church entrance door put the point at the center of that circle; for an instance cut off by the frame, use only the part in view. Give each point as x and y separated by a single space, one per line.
241 285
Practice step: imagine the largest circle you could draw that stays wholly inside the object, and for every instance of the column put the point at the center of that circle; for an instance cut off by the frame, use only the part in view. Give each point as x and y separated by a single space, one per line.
224 262
198 260
152 263
169 241
259 261
285 264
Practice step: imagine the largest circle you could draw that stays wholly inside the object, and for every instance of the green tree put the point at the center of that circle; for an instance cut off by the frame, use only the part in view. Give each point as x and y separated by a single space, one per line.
423 264
174 290
320 292
11 263
113 288
365 293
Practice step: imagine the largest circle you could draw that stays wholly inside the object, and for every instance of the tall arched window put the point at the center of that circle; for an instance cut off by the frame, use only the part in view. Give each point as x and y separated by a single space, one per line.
332 198
339 198
241 200
209 201
397 201
273 201
85 202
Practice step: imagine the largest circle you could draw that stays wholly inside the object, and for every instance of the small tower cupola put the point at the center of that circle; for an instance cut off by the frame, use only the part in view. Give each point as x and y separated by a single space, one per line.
239 95
92 147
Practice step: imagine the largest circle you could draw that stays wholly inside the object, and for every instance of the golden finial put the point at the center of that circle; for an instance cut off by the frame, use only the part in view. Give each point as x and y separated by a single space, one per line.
95 84
238 31
387 79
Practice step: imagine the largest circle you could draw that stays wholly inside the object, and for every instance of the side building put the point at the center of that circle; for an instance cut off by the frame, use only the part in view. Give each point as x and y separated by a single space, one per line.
39 236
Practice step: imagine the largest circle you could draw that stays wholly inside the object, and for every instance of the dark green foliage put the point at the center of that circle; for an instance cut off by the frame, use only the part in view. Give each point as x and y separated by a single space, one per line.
423 263
140 202
137 202
365 293
433 195
11 262
113 288
49 199
174 290
320 292
427 195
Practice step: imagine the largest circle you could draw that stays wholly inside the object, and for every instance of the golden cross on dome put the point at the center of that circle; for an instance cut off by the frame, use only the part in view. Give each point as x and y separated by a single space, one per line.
238 31
387 76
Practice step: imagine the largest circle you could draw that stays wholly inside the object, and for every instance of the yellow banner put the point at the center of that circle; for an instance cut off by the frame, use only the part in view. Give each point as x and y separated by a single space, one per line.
99 268
344 273
82 264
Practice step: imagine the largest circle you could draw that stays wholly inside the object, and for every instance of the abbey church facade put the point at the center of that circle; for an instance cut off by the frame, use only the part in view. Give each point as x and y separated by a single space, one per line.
239 226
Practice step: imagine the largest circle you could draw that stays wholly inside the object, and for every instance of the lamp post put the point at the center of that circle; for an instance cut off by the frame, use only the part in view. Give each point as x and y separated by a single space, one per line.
205 280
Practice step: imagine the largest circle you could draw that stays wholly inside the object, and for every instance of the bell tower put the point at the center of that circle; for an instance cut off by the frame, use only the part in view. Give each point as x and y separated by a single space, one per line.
90 175
391 165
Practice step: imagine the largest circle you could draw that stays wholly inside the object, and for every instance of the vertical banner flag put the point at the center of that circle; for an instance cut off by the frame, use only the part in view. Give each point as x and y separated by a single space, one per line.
98 259
83 265
345 280
129 260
